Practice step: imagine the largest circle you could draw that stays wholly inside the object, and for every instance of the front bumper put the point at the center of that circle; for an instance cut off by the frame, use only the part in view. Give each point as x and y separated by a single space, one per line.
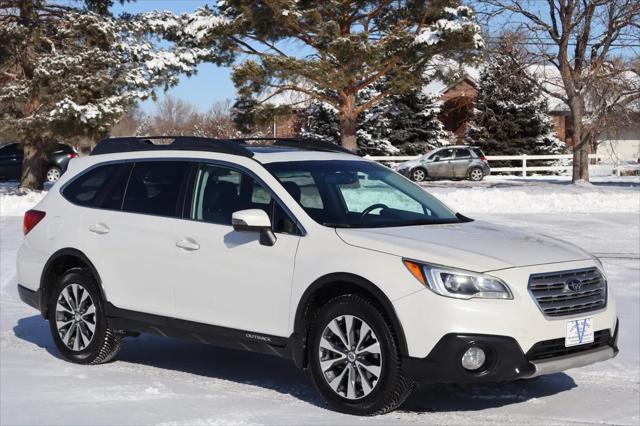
505 360
406 172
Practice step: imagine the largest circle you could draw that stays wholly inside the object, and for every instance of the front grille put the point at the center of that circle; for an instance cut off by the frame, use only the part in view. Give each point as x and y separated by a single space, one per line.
555 298
553 348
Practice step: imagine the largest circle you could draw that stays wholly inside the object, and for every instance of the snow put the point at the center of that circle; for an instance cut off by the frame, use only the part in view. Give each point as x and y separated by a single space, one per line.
169 382
12 203
501 194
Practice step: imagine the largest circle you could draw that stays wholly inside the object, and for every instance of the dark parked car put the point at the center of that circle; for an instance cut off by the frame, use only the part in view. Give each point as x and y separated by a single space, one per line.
58 157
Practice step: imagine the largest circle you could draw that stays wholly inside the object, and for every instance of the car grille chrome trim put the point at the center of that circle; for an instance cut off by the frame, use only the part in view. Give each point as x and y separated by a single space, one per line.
555 347
566 293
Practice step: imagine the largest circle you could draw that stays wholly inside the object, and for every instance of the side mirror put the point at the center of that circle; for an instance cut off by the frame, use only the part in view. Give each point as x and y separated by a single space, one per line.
254 220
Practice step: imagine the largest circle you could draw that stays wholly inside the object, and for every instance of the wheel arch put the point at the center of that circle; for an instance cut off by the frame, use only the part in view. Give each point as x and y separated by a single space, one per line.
59 262
324 289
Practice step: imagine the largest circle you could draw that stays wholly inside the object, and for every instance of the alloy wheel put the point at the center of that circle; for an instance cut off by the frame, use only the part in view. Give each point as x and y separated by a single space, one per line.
419 175
53 174
75 317
350 357
476 174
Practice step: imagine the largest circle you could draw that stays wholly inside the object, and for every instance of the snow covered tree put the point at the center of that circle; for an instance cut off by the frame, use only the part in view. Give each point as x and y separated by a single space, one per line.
511 113
404 124
344 47
320 121
67 72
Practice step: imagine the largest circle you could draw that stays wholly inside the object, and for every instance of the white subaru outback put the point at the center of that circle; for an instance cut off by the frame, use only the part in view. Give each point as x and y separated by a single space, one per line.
301 250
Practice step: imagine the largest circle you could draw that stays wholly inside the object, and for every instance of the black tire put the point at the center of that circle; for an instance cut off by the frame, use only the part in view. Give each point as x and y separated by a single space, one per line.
104 343
392 387
418 174
476 174
52 174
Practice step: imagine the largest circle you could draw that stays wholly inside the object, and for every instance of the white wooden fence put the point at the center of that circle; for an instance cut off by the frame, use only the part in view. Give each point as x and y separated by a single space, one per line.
523 169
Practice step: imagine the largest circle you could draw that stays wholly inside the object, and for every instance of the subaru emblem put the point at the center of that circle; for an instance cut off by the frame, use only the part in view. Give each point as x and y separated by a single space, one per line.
574 285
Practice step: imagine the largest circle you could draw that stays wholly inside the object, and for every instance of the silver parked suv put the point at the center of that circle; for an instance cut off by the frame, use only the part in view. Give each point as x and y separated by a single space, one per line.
451 162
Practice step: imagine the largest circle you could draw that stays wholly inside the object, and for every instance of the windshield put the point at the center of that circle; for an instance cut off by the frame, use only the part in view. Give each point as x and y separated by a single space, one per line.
358 194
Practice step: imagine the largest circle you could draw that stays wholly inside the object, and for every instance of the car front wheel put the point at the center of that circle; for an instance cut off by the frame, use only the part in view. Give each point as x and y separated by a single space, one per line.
418 175
354 358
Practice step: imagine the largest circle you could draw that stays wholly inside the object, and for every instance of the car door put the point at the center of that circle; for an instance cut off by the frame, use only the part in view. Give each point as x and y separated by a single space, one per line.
11 161
461 162
131 239
440 165
227 278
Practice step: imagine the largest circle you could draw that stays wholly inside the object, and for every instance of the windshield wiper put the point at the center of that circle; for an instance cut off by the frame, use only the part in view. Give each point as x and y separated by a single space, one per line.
337 225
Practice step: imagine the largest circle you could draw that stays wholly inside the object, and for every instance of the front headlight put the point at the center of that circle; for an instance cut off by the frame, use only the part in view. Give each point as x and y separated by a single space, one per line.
458 283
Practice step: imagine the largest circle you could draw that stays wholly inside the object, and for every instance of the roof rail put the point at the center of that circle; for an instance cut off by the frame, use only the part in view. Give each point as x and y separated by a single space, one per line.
302 143
237 146
180 143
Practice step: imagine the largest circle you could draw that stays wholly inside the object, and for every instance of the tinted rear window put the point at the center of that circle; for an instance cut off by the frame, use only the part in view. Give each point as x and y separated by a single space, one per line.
102 187
478 152
154 188
463 153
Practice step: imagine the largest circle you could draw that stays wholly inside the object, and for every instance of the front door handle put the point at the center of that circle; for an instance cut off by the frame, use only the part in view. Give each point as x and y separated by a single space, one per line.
99 228
188 244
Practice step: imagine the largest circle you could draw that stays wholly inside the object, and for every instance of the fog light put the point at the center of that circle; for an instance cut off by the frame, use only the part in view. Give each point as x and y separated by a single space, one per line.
473 358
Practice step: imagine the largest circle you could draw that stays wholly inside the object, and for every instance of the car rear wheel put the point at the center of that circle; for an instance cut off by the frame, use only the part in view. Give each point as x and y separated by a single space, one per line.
53 174
77 321
354 358
418 175
476 174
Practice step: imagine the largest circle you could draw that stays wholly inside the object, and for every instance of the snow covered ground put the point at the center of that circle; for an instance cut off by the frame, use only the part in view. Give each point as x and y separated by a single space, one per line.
163 381
545 194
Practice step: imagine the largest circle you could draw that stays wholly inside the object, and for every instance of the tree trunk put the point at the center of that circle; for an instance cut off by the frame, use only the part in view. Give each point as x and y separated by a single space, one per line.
348 122
33 165
580 143
348 129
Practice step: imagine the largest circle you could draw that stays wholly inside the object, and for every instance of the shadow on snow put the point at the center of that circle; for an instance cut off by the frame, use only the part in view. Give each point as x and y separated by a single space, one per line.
280 375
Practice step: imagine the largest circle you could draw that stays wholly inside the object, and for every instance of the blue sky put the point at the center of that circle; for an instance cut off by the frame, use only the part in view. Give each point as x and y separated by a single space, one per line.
212 83
209 85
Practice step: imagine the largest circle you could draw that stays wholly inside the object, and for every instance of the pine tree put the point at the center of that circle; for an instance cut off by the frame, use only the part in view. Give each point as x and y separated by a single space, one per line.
348 46
319 121
400 125
68 72
511 113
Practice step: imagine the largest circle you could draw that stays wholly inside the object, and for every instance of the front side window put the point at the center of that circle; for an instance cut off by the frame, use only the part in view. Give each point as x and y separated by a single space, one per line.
359 194
154 188
220 191
443 154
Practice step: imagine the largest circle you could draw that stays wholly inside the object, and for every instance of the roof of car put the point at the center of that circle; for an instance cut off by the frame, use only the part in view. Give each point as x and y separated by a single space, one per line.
264 150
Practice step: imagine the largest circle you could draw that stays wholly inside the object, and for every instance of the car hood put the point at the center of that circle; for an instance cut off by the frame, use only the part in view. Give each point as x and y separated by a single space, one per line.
476 246
407 164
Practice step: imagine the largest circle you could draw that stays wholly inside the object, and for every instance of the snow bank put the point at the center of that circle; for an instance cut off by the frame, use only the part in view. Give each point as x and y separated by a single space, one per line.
15 205
539 194
498 200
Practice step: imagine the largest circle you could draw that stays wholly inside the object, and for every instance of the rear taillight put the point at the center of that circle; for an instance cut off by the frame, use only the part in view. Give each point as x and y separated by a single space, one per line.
31 219
72 155
484 159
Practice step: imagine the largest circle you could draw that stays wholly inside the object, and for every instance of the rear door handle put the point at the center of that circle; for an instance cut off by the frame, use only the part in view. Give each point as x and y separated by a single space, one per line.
188 244
99 228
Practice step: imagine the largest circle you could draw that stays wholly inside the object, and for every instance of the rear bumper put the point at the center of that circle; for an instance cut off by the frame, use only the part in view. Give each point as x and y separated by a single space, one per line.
505 360
30 297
